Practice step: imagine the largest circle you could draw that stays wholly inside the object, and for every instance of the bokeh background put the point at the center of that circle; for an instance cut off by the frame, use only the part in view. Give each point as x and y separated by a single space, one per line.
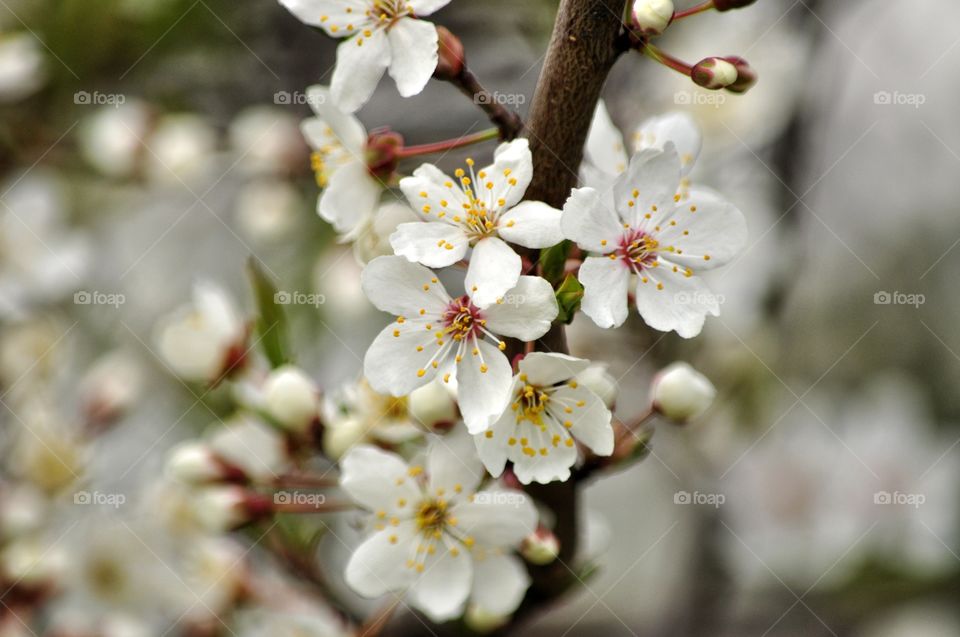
146 144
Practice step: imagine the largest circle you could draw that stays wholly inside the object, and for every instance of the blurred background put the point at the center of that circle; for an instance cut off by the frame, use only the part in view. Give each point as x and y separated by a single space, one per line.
149 144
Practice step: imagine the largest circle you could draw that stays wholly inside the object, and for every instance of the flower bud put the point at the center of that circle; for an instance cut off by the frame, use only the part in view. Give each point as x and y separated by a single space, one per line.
540 547
195 463
714 73
340 435
290 397
681 393
651 17
746 76
226 508
597 379
382 153
482 621
450 52
431 405
726 5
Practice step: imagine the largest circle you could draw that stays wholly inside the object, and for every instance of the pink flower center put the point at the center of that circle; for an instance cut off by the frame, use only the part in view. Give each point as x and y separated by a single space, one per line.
462 319
638 250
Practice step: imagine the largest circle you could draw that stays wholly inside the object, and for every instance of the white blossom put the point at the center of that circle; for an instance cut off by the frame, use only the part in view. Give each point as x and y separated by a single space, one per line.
681 393
290 397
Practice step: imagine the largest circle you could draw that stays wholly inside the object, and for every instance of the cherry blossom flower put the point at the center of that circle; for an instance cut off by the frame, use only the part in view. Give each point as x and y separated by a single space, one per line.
434 534
435 331
605 155
549 413
657 235
478 209
380 35
351 192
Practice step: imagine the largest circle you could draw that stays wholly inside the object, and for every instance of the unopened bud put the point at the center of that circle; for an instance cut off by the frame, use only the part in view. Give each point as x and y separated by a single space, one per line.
342 435
540 547
597 379
746 76
196 463
726 5
290 397
451 55
651 17
227 508
431 405
714 73
681 393
382 153
482 621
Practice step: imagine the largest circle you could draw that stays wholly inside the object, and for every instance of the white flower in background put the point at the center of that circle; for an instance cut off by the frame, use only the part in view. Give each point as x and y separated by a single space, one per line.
181 149
23 510
434 534
597 379
266 139
358 413
380 35
46 451
291 397
21 66
606 155
248 444
205 339
652 16
269 210
434 331
339 142
481 210
111 386
657 235
548 414
681 393
111 139
373 240
315 622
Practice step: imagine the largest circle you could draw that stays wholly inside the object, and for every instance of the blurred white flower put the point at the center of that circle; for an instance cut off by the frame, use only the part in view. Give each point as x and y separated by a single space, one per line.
248 444
263 622
21 66
269 210
111 386
480 210
597 379
373 239
433 534
266 139
181 149
111 139
291 397
380 34
47 453
681 393
548 414
657 235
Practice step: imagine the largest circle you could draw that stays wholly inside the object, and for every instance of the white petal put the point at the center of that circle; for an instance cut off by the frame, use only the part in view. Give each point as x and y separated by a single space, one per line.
434 244
442 589
526 312
413 46
337 13
681 305
507 178
378 566
398 360
377 479
426 7
679 128
497 517
453 467
483 395
655 176
590 222
395 285
591 421
431 192
345 127
545 456
499 583
605 149
359 69
494 269
545 369
531 224
492 444
350 198
703 225
605 284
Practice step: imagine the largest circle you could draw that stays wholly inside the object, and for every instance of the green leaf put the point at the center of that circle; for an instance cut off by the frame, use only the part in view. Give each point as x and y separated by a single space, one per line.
272 327
553 262
569 295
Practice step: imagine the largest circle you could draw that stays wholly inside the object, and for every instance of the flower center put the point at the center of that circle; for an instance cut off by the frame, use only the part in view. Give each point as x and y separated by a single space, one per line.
462 319
432 516
638 250
530 404
390 10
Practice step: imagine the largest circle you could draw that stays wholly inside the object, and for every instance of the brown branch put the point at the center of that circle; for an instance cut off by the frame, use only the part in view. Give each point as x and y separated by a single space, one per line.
507 122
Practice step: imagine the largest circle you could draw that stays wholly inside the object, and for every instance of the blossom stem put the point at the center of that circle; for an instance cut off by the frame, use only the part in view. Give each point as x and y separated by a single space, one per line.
666 59
508 122
376 623
694 10
449 144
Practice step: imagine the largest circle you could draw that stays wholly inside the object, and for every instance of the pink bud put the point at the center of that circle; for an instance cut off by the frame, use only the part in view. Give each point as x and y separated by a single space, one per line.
714 73
746 76
452 58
